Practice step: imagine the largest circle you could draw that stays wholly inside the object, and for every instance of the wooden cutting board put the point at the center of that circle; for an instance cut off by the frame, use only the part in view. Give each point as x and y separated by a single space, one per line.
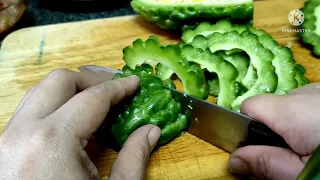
27 55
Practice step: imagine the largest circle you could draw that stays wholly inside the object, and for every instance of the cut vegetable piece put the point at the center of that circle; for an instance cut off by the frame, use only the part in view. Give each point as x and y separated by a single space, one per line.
250 78
213 87
169 56
283 62
300 72
152 104
175 14
206 29
163 72
226 72
239 61
311 25
260 57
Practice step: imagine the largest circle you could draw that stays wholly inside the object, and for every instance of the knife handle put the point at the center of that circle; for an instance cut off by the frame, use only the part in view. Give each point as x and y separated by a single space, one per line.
260 134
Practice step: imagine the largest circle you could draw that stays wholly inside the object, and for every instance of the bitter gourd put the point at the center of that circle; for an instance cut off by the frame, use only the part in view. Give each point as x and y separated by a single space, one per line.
226 72
151 104
175 14
300 72
170 56
311 25
283 61
262 61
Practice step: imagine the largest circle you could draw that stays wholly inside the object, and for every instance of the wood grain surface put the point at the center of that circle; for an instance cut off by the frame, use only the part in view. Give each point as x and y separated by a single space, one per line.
27 55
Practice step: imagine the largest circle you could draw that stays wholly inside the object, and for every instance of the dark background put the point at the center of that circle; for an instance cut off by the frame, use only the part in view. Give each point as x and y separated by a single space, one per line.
43 12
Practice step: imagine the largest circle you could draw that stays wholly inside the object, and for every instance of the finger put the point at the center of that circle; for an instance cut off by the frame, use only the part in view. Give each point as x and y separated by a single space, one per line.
266 109
52 92
132 159
266 162
85 112
103 73
13 119
313 88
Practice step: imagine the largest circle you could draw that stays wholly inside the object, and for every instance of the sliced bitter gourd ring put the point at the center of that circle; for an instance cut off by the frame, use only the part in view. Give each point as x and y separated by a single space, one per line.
300 72
206 29
174 14
227 74
192 76
283 62
260 57
311 11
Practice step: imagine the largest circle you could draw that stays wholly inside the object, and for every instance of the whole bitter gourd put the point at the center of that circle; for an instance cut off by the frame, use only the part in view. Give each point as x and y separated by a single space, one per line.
151 104
311 25
176 14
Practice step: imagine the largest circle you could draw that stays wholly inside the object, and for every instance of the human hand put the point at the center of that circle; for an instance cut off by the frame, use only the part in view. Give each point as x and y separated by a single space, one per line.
47 134
296 118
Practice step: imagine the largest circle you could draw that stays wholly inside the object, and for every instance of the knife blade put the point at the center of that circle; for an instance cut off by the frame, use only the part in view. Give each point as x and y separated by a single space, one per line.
214 124
224 128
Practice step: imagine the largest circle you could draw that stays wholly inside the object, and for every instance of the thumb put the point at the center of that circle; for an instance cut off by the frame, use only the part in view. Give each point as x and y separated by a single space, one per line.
266 162
133 157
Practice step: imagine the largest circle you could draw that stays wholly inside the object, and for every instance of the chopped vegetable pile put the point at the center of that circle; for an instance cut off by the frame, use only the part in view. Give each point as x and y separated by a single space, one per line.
229 61
311 24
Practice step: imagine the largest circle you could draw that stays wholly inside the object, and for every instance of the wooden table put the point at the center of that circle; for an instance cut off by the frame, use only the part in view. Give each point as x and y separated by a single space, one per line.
27 55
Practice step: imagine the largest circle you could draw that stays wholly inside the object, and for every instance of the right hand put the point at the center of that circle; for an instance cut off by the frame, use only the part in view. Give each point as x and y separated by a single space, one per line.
296 118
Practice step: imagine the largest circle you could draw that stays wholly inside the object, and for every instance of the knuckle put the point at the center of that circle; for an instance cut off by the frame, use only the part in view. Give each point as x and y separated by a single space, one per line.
262 163
59 72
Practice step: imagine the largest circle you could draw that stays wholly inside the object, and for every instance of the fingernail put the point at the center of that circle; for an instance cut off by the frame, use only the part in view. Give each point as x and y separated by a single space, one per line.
236 165
98 69
153 136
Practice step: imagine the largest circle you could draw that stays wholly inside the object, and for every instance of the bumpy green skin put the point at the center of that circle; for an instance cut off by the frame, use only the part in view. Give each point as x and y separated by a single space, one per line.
227 73
283 62
300 72
206 29
262 61
310 22
174 16
152 104
213 87
169 56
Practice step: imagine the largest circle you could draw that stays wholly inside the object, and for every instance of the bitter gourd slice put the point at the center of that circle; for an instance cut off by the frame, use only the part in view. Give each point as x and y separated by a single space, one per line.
260 57
240 61
311 25
170 56
283 62
226 72
250 78
300 72
175 14
206 29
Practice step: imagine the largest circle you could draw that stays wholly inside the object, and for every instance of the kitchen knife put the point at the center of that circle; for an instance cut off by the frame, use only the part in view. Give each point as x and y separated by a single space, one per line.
214 124
225 128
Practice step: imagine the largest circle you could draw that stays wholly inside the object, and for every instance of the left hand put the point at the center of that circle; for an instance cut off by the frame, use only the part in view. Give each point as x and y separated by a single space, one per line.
47 134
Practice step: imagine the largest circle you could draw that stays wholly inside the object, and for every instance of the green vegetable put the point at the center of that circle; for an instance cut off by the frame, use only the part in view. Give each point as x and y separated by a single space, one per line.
213 86
250 78
152 104
178 15
311 24
227 74
300 72
266 78
169 56
206 29
283 62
